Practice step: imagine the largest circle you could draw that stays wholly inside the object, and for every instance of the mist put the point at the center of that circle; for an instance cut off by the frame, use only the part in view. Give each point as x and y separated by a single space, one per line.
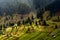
33 4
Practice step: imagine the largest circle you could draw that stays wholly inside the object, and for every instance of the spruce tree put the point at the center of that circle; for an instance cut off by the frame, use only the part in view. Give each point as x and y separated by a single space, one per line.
44 23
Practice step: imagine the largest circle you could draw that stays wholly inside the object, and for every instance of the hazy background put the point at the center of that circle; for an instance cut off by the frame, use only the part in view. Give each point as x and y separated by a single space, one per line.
6 5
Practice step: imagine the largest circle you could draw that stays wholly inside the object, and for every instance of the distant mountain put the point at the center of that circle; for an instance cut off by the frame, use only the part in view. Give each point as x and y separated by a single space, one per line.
7 4
42 3
54 7
40 6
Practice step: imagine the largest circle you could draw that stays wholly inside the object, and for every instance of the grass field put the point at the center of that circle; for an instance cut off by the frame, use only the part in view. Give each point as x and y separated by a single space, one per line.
48 33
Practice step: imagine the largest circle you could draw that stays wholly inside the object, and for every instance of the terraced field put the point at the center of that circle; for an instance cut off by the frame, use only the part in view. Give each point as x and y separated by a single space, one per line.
48 33
55 35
